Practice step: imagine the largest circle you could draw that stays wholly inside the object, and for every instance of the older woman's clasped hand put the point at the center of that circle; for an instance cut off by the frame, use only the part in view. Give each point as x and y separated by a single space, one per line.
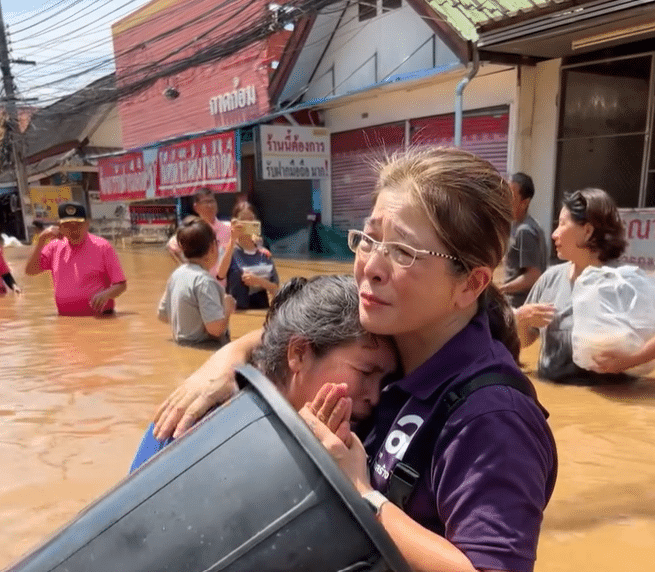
328 416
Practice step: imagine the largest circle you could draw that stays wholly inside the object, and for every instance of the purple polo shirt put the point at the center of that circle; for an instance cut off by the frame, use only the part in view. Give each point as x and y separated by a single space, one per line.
493 467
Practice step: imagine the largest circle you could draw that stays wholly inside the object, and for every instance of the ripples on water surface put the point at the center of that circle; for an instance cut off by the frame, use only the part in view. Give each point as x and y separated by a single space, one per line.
77 393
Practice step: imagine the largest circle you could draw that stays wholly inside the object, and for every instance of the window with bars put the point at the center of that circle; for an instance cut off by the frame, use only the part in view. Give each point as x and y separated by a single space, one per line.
367 9
388 5
605 130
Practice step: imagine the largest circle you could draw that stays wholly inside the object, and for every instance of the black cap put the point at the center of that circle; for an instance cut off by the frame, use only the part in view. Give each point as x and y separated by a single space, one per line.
70 211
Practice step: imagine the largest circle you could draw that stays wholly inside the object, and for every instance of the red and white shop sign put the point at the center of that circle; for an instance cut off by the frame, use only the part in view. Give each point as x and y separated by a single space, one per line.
639 227
123 178
208 161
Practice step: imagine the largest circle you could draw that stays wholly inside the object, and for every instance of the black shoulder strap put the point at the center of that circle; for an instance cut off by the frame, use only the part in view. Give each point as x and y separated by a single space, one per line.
407 472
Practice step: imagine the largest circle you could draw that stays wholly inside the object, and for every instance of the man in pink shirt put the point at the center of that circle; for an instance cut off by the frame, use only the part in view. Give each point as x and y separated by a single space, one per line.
85 269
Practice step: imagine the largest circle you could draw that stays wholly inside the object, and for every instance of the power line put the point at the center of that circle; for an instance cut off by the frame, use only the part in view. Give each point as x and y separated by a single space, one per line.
179 66
108 61
43 10
74 3
222 46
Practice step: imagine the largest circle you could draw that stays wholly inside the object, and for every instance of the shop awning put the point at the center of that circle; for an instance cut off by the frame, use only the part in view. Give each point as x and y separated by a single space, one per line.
546 28
466 17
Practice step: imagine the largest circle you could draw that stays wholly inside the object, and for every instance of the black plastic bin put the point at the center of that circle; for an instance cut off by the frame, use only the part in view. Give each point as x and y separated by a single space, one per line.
248 489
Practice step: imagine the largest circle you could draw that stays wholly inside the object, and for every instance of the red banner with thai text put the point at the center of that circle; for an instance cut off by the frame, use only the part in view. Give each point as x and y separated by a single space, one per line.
123 178
208 161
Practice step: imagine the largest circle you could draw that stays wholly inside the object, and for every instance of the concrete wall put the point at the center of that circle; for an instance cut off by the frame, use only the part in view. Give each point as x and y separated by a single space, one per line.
493 86
401 39
536 137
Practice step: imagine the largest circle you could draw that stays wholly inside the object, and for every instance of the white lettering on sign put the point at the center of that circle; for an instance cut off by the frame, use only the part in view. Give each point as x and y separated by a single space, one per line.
238 98
205 161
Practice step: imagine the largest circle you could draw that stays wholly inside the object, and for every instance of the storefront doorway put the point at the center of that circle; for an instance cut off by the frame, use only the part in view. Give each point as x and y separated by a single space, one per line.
606 129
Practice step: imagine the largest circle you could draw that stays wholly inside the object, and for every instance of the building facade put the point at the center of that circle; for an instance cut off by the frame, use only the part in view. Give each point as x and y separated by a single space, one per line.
584 105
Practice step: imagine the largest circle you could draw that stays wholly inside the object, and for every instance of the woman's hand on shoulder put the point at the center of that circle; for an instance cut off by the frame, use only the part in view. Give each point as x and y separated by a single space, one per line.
189 402
212 384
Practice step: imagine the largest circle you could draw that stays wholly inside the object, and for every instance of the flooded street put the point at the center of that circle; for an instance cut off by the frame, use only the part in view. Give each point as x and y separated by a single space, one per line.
77 393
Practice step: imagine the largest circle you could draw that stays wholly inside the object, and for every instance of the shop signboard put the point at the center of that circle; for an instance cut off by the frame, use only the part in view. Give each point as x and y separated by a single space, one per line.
293 152
123 178
640 232
208 161
45 201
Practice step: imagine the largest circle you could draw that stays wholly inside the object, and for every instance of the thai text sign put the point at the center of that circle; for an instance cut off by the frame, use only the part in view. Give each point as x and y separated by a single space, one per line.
293 152
208 161
45 201
124 178
640 232
238 98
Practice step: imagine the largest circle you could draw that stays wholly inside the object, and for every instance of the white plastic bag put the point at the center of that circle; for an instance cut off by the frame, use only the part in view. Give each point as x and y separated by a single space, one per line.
11 240
613 308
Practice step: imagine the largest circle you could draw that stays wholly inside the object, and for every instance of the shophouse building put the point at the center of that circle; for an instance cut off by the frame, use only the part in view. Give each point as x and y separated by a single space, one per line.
306 107
582 112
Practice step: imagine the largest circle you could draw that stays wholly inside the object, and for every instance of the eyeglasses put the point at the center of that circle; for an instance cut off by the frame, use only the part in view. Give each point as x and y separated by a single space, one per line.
401 254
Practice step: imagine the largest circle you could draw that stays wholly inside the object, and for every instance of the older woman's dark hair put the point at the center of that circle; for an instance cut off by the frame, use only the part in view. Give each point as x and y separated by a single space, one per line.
596 207
195 237
323 311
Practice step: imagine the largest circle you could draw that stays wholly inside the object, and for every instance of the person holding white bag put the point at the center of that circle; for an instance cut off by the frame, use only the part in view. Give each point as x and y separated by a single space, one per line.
590 237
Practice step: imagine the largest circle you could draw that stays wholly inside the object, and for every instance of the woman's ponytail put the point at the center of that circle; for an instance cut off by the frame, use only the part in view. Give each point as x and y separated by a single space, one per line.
501 320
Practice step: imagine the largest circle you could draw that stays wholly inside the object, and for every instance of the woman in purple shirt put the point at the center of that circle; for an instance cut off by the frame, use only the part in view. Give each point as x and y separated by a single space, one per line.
424 265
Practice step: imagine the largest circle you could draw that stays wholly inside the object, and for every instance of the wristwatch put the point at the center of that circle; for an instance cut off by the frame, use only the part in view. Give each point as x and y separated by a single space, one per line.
375 500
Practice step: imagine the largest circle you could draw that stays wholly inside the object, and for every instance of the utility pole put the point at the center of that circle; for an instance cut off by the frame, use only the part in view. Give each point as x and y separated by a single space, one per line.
12 124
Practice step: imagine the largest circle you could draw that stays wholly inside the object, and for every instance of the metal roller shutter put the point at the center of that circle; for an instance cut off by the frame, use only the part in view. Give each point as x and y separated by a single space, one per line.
483 133
354 154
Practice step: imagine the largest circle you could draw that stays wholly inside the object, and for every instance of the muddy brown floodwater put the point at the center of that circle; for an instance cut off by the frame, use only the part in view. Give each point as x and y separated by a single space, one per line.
77 393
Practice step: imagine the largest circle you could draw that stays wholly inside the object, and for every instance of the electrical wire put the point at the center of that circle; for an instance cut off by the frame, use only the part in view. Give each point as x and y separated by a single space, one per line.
73 3
203 55
106 63
227 45
38 14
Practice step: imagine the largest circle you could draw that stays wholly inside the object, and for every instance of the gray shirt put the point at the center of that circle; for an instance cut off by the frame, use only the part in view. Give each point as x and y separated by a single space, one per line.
527 249
192 299
556 355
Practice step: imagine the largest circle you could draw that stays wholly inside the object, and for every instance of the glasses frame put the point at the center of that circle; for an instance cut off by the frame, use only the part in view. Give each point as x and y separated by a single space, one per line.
384 245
